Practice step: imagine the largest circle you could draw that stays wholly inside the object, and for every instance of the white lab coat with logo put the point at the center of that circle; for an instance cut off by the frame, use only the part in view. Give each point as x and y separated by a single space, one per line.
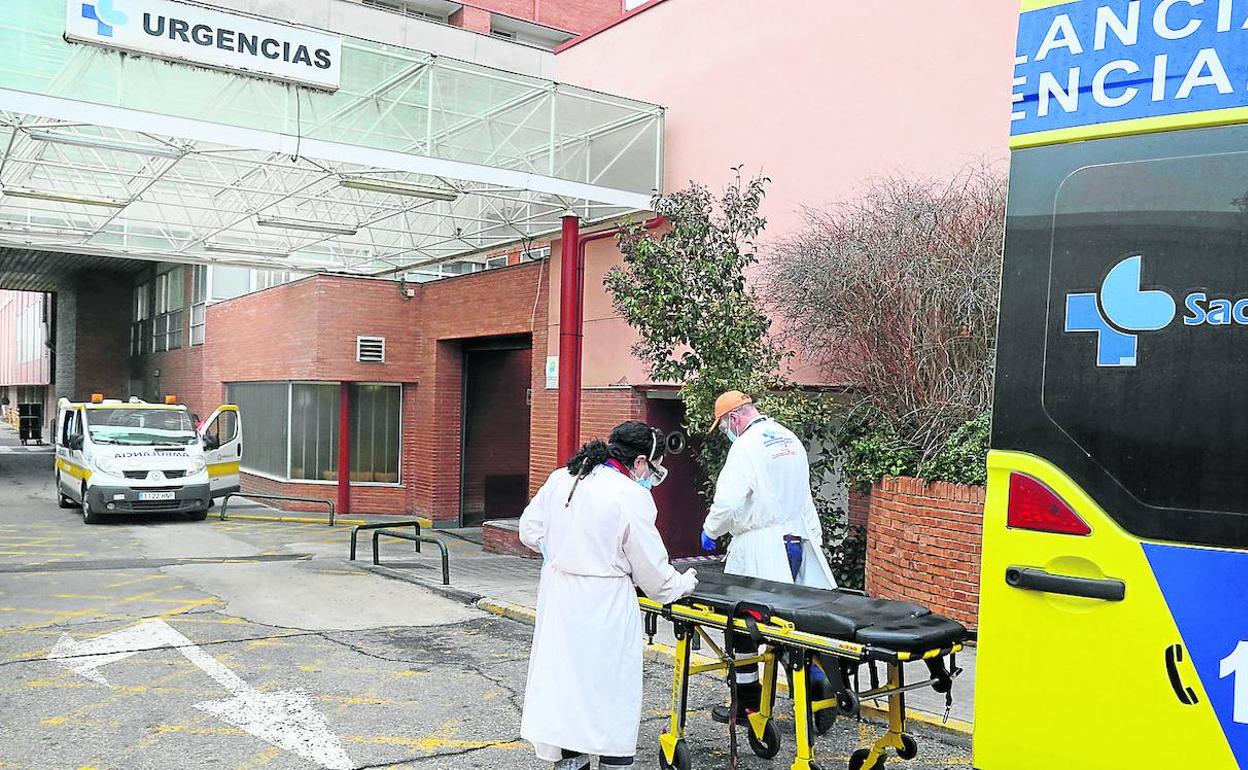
763 494
584 687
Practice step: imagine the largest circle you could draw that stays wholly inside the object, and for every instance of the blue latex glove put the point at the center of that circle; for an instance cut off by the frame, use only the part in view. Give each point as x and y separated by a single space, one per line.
708 543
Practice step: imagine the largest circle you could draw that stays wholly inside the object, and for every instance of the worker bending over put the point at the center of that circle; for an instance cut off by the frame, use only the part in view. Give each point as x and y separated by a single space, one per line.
762 498
593 523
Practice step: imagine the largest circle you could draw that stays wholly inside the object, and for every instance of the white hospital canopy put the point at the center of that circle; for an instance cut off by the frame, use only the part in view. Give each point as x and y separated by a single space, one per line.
417 159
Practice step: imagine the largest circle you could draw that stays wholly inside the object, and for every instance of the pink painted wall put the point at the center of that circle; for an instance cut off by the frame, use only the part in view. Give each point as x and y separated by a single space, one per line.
819 95
24 358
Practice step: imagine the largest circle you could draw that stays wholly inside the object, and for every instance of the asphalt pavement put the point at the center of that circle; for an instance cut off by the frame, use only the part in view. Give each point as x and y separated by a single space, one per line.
155 642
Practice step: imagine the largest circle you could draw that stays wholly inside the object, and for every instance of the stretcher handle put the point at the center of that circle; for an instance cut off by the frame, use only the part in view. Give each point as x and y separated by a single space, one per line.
1036 579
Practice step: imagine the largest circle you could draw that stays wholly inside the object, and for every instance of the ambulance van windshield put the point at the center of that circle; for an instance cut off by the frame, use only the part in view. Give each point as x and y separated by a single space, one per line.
140 427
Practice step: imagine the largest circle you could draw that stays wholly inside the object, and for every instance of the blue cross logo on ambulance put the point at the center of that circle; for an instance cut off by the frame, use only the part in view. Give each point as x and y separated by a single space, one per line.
1123 308
1101 67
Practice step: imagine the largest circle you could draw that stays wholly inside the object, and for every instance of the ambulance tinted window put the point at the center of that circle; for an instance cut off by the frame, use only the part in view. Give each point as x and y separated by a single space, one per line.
1137 268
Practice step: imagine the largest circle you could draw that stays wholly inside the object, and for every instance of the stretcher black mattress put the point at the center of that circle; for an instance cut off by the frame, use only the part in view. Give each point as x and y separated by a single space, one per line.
894 625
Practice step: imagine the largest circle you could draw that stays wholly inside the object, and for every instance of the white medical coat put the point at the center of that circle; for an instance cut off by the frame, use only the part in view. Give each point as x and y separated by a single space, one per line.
763 494
584 686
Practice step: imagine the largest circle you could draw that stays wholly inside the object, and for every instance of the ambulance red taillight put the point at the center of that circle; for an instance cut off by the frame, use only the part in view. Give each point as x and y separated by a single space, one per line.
1036 507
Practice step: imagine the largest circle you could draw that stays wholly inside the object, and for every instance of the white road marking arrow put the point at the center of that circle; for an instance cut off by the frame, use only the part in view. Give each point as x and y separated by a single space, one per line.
86 656
287 719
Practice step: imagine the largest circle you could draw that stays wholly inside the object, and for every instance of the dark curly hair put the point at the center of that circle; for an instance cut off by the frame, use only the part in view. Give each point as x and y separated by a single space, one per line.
628 441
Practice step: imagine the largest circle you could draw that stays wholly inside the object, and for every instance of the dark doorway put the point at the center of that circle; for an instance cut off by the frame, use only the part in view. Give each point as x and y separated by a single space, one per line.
495 478
682 508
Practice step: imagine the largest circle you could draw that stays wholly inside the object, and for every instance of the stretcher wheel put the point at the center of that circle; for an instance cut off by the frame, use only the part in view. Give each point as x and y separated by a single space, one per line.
858 760
825 719
680 758
909 747
770 745
848 703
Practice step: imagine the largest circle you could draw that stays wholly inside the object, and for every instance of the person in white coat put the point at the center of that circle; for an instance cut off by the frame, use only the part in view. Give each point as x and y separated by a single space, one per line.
594 524
763 499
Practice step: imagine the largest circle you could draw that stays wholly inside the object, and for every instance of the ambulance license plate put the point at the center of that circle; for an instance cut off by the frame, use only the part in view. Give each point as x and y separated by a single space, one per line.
156 495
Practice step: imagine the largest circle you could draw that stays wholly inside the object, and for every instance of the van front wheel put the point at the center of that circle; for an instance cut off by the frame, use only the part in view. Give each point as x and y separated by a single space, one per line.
88 516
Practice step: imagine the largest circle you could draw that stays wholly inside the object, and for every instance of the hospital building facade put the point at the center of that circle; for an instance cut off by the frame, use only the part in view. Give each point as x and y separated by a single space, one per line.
438 362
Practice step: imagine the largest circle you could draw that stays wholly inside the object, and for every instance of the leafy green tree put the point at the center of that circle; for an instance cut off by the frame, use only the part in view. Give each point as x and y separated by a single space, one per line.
684 290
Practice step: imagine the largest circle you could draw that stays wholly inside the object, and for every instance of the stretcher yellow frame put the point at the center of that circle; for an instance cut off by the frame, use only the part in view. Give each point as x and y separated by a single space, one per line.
780 637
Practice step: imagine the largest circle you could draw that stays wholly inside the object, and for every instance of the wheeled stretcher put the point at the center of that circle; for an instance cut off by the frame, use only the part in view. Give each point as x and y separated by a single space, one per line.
797 626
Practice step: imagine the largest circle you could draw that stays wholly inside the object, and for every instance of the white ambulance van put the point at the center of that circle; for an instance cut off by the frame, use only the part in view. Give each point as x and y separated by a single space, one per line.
115 457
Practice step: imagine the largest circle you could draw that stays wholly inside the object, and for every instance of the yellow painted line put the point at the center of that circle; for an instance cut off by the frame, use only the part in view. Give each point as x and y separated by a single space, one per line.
1207 118
1036 5
260 760
131 581
508 610
294 519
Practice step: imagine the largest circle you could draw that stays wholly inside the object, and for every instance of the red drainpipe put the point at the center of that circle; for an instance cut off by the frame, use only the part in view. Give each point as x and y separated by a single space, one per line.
571 323
344 449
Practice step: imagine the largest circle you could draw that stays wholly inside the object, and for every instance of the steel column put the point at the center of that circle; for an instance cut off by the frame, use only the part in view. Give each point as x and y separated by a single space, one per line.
570 299
344 447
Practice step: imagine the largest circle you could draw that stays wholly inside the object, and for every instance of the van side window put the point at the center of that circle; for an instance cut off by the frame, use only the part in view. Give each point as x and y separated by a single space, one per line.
71 427
226 427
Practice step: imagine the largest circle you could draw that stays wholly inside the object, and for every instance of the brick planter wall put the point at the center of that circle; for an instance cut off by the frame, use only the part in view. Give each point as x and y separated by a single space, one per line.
859 506
503 536
923 545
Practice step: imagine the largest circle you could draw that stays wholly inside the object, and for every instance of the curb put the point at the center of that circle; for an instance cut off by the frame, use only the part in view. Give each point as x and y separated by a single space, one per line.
454 594
517 612
290 519
424 523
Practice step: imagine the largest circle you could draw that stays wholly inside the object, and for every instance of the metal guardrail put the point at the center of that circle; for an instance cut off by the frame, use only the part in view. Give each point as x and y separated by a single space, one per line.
446 558
355 531
329 504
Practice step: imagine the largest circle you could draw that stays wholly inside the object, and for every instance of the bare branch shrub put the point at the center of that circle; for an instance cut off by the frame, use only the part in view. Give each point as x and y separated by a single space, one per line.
899 289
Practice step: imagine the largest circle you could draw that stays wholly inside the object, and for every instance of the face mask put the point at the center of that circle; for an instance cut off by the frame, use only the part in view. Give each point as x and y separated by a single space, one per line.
646 483
728 434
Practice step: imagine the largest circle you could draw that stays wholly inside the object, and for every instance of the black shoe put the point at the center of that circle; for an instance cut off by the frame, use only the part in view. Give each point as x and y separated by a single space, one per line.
749 696
720 714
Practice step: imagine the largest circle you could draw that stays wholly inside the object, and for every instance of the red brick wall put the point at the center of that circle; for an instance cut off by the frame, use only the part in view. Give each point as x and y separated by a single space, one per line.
493 303
578 16
923 545
859 506
504 539
475 19
307 330
364 499
102 331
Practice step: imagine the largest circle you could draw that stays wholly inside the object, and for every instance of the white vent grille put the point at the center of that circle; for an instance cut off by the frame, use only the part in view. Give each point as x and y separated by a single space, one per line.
370 349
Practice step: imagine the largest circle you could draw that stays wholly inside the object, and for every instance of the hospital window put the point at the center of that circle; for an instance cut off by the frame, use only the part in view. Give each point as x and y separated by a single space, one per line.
499 261
199 303
533 255
170 300
140 319
297 435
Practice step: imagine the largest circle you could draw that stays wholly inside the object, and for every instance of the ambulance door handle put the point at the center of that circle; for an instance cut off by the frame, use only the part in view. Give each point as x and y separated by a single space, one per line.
1036 579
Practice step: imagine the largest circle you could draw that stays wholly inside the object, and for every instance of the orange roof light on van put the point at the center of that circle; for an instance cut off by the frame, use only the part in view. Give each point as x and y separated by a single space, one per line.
171 399
97 398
